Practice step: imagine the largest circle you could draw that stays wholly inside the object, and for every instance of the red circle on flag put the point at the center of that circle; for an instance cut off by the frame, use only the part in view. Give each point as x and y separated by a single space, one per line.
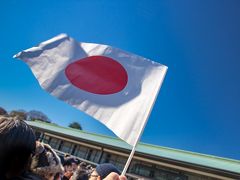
97 74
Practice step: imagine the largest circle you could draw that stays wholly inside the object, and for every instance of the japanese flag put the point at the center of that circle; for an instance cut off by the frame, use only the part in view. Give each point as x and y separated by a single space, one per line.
116 87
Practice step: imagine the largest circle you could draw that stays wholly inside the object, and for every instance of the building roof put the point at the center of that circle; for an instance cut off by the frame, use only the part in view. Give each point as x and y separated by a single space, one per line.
159 151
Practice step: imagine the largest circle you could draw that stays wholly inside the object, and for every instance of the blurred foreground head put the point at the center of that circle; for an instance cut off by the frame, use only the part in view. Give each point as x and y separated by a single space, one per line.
45 162
17 143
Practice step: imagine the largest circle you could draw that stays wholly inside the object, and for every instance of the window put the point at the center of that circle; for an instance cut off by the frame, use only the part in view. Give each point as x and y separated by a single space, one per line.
159 175
66 147
46 139
94 155
54 143
81 152
155 172
117 160
171 174
105 158
142 169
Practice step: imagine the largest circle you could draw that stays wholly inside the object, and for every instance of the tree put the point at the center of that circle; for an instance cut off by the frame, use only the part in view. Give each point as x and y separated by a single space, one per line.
21 114
37 115
75 125
3 111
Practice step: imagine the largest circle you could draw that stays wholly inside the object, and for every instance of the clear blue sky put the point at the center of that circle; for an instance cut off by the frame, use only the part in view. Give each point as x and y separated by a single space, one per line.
198 108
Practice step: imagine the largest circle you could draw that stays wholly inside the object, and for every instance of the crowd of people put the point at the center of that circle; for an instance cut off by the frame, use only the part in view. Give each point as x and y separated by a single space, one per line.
24 158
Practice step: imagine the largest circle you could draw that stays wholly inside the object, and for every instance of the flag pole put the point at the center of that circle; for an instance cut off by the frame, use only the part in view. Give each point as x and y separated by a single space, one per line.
129 160
140 134
135 145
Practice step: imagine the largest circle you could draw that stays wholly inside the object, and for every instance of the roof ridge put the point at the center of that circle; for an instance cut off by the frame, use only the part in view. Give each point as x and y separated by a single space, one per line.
190 152
56 125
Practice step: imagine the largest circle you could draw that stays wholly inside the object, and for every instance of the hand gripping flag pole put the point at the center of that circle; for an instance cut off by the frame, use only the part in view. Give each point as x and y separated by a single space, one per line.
140 134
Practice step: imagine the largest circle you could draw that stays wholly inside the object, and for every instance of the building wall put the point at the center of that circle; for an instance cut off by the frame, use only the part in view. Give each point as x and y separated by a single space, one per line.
96 155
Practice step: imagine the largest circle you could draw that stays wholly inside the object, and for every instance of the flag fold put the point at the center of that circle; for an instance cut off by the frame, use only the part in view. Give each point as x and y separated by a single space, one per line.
115 87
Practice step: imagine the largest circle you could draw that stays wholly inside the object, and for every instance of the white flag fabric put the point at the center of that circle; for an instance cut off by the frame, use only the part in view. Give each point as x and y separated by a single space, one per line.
116 87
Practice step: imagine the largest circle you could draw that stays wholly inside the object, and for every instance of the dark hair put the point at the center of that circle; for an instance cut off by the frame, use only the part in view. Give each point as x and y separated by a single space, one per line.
17 144
45 162
69 160
81 173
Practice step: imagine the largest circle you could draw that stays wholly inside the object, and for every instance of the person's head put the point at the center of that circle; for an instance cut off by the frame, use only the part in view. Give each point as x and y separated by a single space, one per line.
103 170
82 172
75 164
45 162
70 163
17 143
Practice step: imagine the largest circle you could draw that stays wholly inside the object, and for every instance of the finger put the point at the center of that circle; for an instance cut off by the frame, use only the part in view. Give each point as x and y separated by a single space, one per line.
122 178
112 176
